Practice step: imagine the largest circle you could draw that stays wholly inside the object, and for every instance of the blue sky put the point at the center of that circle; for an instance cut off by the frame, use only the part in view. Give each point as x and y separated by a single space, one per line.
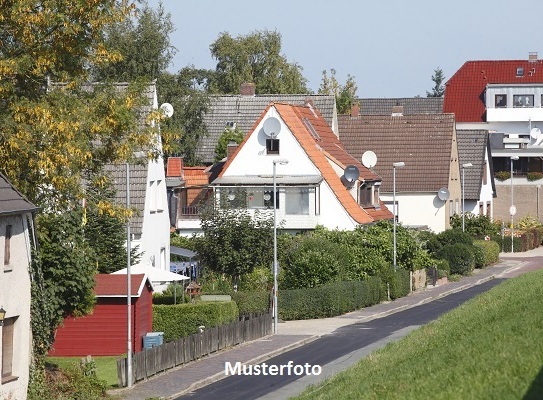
391 47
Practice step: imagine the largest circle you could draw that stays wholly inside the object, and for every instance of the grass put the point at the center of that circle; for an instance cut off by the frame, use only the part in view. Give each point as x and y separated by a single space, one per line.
488 348
106 367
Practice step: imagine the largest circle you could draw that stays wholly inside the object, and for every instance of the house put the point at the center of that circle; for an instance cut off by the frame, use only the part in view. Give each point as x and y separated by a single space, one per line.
478 189
150 226
16 221
104 331
243 110
428 187
315 187
505 97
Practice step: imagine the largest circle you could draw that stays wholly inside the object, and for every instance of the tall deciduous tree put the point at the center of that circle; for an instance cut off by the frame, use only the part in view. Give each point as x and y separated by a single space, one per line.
345 94
255 58
229 135
439 89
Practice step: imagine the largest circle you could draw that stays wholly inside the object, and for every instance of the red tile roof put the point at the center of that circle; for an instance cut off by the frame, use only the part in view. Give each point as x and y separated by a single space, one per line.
464 92
174 167
114 285
195 176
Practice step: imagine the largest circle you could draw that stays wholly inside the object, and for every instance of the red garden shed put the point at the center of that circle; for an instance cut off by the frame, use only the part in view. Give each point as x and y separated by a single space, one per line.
103 333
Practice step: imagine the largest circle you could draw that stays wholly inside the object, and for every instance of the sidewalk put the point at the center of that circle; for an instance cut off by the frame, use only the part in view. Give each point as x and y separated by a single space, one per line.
292 334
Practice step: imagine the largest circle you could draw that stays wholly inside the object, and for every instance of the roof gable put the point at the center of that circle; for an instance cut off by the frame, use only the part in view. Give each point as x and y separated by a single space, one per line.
472 147
464 91
11 200
424 142
113 285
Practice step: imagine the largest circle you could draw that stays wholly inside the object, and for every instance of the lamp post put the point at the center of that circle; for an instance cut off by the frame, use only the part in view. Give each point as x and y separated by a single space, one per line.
395 165
464 166
512 210
128 286
275 162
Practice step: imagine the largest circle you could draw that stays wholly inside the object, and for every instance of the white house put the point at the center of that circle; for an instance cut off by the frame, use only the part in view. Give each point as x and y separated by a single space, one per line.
312 188
16 343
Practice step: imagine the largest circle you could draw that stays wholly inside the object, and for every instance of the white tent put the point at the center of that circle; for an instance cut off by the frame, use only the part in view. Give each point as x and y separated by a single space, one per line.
158 277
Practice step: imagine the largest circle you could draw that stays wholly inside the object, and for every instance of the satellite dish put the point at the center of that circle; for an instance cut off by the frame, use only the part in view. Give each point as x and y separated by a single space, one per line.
443 194
167 109
536 135
350 175
369 159
271 127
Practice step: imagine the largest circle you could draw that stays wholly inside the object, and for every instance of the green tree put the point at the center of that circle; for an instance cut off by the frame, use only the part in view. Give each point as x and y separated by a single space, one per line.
438 78
254 58
228 135
234 242
345 94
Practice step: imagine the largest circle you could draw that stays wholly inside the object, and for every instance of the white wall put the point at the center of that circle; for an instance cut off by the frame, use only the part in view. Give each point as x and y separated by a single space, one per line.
15 299
419 209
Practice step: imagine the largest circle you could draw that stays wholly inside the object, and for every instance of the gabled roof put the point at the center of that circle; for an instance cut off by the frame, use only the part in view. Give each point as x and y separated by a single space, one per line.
245 110
472 146
112 285
323 148
11 200
465 91
423 141
411 105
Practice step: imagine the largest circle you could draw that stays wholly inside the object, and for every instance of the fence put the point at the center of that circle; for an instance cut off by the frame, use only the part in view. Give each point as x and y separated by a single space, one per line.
157 359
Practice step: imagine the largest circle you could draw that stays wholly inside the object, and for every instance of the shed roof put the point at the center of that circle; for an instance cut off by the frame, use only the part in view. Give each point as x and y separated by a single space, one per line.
112 285
11 200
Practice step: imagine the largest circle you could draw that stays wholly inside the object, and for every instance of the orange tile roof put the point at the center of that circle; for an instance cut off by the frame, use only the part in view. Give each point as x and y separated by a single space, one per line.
195 176
174 167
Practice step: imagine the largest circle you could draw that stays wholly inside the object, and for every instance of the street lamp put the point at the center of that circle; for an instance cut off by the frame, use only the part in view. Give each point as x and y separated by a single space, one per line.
281 161
512 210
128 286
395 165
464 166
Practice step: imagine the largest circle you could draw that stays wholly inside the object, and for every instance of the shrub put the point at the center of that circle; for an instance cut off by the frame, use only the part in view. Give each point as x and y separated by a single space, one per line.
502 175
505 243
459 256
252 302
260 279
443 268
329 300
448 237
476 225
490 250
184 319
534 176
478 256
398 282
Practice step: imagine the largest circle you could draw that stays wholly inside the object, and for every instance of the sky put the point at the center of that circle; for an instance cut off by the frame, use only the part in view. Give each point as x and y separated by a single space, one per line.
390 47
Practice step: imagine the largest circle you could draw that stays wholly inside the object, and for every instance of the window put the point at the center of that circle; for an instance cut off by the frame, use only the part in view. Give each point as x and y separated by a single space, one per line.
481 208
272 146
520 71
365 196
7 245
261 198
7 350
233 197
152 196
297 201
501 100
159 196
523 100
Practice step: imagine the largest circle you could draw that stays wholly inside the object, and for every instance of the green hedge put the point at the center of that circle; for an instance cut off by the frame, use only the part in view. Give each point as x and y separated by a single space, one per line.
490 250
329 300
398 282
160 298
184 319
460 257
252 302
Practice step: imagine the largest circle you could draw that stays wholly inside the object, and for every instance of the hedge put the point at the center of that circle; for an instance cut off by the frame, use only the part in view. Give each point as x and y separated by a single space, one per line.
329 300
460 257
184 319
252 302
490 250
160 298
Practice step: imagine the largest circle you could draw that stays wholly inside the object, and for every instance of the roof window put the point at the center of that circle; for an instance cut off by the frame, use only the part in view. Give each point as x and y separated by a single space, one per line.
520 71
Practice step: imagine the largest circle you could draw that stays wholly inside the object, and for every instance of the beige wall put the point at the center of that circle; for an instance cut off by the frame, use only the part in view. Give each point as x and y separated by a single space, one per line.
527 198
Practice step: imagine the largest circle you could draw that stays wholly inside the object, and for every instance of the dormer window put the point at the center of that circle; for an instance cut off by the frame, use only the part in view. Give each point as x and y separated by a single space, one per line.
520 71
366 195
523 100
272 146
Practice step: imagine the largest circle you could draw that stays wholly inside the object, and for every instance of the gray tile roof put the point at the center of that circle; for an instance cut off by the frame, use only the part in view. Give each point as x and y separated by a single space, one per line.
11 200
245 110
422 141
411 105
472 145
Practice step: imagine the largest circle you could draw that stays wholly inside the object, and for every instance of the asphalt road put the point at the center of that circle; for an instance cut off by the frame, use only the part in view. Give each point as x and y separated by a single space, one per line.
333 352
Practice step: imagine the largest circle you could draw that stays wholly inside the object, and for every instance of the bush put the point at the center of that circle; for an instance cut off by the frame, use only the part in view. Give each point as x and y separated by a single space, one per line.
252 302
490 250
476 225
505 243
443 268
184 319
459 256
172 295
448 237
534 176
398 282
329 300
502 175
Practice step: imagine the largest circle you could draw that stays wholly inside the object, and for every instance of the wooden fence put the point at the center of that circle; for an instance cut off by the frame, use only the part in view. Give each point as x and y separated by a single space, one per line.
157 359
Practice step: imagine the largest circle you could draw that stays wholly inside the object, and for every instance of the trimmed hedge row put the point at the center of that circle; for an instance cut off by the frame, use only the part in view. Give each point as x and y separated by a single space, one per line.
160 298
252 302
399 282
329 300
184 319
490 253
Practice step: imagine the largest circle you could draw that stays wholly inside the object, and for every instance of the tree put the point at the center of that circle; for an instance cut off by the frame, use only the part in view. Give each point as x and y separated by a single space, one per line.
438 90
345 94
234 242
143 44
229 135
254 58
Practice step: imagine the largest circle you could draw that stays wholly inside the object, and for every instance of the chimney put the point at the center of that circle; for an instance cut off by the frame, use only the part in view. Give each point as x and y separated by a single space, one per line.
397 111
532 56
231 149
247 89
355 110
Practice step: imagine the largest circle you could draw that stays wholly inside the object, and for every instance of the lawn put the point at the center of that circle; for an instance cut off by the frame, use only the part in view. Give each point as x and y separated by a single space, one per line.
489 348
106 367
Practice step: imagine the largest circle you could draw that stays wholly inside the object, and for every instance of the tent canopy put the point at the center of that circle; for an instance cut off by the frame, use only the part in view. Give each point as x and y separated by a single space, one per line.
179 251
154 274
